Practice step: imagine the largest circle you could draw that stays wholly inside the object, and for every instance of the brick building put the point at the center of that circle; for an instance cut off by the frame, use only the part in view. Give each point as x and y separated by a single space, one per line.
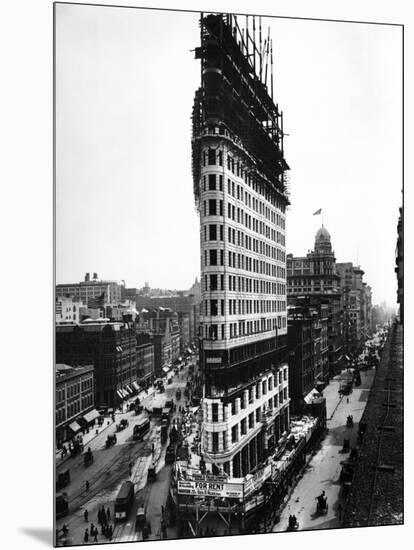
74 398
110 347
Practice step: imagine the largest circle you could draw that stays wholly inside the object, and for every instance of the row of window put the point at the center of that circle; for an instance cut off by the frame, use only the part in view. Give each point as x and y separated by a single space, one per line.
247 423
241 307
214 182
72 409
214 281
215 232
213 157
242 328
214 257
214 207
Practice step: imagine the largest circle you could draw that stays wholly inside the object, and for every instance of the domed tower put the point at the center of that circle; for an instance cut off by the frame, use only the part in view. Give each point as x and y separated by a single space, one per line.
323 241
323 257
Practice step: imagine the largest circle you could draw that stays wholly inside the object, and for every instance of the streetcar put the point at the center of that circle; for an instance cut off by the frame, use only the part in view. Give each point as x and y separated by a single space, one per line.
166 414
124 501
141 428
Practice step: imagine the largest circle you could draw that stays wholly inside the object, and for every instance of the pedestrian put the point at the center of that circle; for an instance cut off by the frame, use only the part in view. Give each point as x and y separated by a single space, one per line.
65 530
110 532
92 530
86 536
108 515
95 535
85 515
87 485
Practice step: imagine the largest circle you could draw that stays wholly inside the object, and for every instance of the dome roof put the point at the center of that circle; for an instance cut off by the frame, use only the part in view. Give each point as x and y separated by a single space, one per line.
322 235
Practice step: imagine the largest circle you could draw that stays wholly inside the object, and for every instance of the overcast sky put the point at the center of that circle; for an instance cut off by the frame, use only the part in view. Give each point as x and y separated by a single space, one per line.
125 82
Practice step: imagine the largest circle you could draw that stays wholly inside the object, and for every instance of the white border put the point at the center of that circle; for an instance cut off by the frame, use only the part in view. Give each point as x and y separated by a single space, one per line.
26 224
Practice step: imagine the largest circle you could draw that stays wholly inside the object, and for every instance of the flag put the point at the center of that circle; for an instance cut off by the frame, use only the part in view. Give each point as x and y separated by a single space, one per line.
318 212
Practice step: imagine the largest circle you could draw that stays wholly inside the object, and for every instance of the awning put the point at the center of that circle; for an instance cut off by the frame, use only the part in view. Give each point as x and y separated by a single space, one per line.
128 388
91 415
119 392
311 396
124 393
165 369
74 426
135 386
347 358
189 350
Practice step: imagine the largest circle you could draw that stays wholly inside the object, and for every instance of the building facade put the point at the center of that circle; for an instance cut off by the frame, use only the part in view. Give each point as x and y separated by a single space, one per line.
93 290
163 326
68 310
110 347
74 398
308 351
314 275
241 195
145 360
182 303
357 307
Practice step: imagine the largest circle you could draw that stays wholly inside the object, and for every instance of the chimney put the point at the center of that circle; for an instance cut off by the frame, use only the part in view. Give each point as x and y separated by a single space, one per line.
87 277
95 276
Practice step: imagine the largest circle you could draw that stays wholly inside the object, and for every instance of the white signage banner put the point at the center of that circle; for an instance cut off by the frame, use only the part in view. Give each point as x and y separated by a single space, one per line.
210 489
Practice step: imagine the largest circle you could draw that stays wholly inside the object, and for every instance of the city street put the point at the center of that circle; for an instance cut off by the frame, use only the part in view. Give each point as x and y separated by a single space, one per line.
323 470
111 468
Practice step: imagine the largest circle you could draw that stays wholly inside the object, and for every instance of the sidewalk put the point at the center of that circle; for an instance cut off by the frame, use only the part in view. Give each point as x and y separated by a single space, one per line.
323 471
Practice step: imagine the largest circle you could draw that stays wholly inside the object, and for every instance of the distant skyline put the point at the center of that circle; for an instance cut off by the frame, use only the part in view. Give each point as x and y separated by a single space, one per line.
124 191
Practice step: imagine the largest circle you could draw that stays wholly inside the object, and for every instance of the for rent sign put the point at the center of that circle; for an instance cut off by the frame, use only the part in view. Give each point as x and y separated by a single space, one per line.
210 489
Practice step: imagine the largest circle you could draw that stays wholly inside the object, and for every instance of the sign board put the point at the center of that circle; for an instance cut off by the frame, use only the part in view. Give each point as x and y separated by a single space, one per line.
213 359
210 489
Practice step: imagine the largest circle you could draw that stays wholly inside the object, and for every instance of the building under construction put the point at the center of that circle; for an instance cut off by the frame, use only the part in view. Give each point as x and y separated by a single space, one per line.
240 188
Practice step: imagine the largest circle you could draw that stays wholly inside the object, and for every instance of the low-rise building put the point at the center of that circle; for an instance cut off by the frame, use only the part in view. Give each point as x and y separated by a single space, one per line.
74 398
110 347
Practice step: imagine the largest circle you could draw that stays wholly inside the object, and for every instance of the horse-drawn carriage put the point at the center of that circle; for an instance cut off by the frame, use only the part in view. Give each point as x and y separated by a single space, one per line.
88 457
122 425
110 440
293 524
322 504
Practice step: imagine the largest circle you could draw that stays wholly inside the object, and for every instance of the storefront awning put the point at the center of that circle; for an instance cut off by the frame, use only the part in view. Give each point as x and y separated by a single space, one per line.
91 415
165 369
119 392
135 386
311 396
129 389
74 426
